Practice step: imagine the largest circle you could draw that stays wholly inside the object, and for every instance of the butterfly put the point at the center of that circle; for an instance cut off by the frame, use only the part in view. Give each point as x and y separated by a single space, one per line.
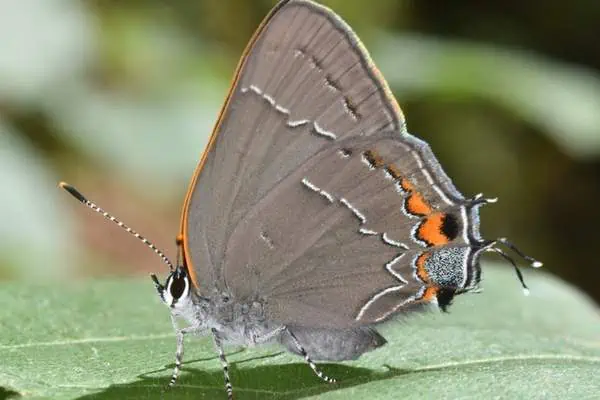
313 215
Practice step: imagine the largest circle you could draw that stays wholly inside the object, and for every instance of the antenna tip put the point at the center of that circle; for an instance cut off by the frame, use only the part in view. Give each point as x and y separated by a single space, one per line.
526 291
74 192
537 264
492 200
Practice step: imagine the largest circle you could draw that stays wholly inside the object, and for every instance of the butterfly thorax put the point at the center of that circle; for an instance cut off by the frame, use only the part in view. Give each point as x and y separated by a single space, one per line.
234 322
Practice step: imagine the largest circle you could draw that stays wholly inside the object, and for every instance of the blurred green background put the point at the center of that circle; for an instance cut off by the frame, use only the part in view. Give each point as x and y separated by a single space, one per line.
119 97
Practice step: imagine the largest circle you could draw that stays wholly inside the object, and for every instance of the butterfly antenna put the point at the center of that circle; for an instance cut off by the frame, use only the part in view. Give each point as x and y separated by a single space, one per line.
478 199
532 261
75 193
514 264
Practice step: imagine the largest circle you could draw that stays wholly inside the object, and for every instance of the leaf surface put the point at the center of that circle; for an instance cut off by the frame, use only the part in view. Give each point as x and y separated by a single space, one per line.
113 340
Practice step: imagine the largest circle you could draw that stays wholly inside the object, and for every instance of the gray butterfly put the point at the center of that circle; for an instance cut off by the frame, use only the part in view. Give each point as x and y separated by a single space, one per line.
314 215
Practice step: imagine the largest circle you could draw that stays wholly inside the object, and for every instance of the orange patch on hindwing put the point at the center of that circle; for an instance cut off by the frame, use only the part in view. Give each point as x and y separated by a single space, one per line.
430 293
431 290
415 202
420 264
431 230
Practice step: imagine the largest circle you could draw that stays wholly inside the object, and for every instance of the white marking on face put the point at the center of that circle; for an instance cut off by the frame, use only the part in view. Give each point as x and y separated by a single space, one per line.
323 132
354 210
392 242
318 190
181 301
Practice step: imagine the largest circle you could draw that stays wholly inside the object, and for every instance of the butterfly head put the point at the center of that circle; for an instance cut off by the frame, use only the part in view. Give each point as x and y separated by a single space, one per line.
175 293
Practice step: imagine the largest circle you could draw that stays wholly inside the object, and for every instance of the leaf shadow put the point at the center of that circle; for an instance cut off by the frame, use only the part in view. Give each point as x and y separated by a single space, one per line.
6 394
268 382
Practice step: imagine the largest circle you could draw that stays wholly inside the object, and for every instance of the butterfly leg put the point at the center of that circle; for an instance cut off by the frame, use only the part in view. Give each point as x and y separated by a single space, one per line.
224 363
310 362
180 333
178 356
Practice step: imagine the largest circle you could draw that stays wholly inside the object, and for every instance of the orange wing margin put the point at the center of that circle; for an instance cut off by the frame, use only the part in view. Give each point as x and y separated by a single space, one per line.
213 137
362 50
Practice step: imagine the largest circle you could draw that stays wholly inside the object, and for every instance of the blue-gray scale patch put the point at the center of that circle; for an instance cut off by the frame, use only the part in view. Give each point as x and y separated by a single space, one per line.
445 266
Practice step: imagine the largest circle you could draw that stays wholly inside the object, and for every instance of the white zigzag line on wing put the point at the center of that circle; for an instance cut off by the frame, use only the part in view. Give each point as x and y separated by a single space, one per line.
393 242
354 210
385 238
319 130
318 190
377 296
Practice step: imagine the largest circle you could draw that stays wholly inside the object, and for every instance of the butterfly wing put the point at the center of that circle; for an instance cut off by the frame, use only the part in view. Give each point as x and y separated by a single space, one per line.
345 239
303 82
311 195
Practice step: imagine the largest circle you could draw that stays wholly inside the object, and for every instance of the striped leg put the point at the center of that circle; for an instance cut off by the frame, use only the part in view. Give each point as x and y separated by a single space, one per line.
225 365
178 357
179 352
310 362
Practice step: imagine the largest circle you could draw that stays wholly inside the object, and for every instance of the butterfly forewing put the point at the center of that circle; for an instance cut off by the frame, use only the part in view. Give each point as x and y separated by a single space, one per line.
303 82
307 195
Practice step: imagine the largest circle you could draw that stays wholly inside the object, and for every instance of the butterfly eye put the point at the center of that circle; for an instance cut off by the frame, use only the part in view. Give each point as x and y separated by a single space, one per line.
177 286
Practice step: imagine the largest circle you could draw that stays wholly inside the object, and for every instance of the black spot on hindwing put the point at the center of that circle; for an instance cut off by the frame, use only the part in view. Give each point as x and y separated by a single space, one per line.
444 298
450 226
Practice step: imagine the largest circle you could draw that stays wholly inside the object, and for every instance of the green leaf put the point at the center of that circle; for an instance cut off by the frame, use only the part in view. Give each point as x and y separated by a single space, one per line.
113 340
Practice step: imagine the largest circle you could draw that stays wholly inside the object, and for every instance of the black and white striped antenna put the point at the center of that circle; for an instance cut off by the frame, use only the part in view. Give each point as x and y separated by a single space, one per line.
75 193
